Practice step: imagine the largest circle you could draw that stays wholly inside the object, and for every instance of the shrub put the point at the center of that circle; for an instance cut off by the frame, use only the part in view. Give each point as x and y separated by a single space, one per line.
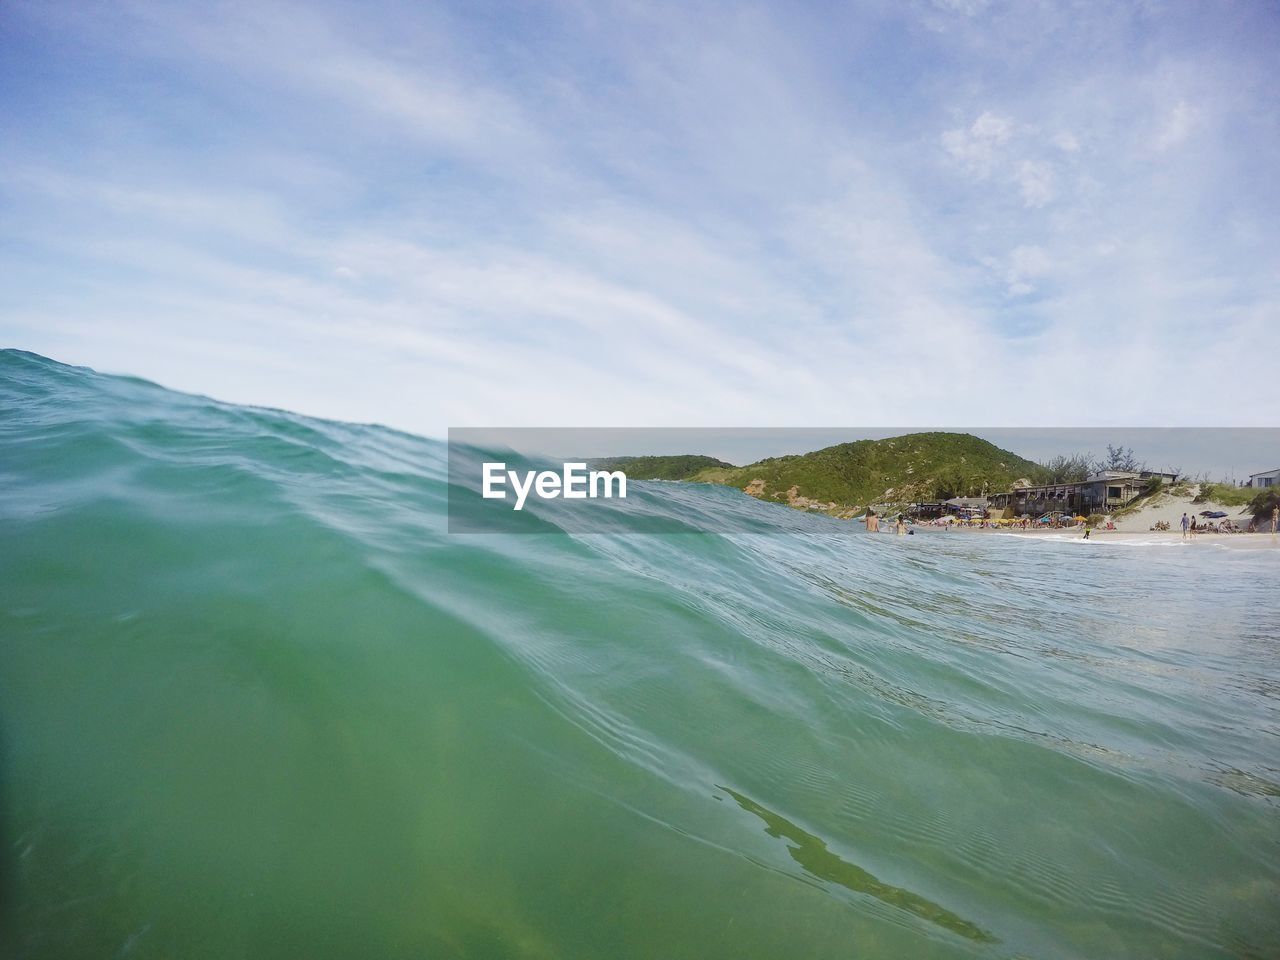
1225 494
1264 503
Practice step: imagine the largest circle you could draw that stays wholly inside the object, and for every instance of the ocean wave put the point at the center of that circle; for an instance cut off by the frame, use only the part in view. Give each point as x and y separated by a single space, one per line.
256 700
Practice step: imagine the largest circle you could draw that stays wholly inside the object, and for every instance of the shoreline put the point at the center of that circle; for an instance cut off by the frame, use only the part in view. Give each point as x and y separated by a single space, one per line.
1230 541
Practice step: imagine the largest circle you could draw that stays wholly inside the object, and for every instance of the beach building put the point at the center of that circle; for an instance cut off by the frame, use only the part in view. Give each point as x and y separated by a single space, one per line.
1268 478
965 507
1039 499
1103 492
962 507
927 509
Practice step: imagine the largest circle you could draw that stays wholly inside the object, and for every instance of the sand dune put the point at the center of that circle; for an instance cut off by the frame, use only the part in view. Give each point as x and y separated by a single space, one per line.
1171 508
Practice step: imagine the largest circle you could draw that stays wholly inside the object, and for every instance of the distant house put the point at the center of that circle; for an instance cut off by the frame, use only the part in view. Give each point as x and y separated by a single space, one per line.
966 506
1101 493
962 507
927 509
1039 498
1268 478
1111 490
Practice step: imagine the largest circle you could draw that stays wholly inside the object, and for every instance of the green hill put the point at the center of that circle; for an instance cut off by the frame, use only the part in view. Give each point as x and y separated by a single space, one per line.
899 470
681 467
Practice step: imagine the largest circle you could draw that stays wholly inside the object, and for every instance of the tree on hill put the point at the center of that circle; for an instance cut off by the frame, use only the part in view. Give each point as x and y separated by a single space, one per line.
1071 468
1119 458
678 467
903 469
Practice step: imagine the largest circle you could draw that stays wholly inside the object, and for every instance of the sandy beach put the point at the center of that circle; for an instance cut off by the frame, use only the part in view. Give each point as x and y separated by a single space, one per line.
1134 529
1136 538
1119 537
1170 508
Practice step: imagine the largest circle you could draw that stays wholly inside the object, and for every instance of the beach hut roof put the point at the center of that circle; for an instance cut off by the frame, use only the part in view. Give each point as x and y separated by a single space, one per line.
967 502
1108 475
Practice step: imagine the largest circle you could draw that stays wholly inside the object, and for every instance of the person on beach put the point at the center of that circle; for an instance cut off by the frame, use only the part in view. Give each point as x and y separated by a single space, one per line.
1275 519
1185 525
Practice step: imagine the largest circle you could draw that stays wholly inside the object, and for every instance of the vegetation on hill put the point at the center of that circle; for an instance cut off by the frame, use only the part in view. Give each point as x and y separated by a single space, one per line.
1077 467
1070 468
1263 503
680 467
899 470
1226 494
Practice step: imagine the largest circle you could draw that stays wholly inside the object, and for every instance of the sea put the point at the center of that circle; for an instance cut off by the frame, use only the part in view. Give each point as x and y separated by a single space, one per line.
257 702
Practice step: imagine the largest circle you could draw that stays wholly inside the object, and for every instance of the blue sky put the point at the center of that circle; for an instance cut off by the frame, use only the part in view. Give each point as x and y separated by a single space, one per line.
434 215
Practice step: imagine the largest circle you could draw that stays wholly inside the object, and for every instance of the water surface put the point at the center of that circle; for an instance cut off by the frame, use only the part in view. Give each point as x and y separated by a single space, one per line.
255 702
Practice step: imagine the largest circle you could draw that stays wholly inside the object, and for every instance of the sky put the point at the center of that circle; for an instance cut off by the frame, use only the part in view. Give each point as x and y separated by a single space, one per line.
644 214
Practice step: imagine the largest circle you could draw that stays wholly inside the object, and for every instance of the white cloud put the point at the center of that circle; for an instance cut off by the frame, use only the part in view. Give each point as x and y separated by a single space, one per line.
989 147
978 148
968 8
1023 265
1035 181
656 216
1180 122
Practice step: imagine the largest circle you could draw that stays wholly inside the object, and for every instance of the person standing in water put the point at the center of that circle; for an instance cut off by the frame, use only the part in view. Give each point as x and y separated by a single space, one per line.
873 522
1186 524
900 528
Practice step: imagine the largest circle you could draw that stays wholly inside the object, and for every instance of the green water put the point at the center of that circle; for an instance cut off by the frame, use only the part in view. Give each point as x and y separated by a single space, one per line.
255 702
